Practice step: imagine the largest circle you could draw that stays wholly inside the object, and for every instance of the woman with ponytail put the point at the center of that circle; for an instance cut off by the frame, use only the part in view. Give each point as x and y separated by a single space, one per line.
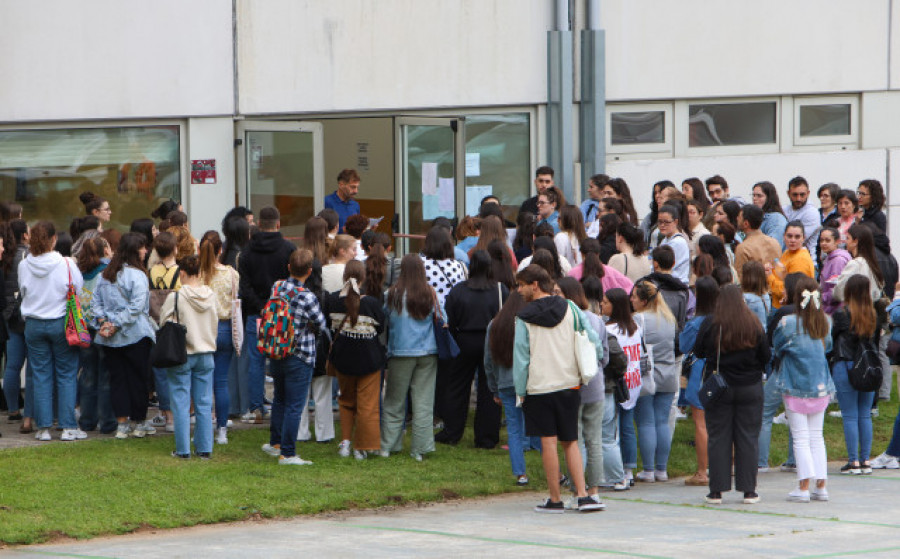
357 356
382 270
224 281
592 266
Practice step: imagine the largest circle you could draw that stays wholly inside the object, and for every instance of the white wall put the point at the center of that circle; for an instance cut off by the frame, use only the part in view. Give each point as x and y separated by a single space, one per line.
845 168
703 48
64 60
895 44
880 119
207 204
314 56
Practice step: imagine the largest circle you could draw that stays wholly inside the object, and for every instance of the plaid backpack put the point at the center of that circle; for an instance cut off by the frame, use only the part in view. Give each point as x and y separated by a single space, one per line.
276 326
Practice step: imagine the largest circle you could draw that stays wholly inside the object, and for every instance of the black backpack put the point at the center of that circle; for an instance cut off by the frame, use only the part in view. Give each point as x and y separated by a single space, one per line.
865 374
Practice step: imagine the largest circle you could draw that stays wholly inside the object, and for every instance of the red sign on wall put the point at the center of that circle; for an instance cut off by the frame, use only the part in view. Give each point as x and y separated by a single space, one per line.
203 171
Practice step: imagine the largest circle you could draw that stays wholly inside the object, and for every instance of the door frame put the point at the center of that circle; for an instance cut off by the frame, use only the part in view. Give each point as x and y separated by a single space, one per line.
458 125
243 169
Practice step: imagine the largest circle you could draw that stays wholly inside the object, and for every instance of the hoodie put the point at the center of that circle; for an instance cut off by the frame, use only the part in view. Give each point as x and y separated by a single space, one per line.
544 347
263 262
197 312
44 282
677 294
834 264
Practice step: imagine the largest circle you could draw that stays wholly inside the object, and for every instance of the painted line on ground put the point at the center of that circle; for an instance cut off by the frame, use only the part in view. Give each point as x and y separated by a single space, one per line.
845 553
58 553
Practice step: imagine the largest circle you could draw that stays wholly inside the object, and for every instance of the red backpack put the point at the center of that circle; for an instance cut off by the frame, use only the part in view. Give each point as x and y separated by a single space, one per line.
276 326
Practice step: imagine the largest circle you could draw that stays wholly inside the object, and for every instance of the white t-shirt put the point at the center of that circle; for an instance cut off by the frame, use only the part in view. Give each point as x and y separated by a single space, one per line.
631 345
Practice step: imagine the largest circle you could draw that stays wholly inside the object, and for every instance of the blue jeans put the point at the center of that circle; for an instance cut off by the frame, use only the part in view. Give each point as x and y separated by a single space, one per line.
856 413
772 400
291 377
161 379
256 366
654 437
612 455
893 448
16 354
222 360
192 381
93 391
515 430
627 438
49 352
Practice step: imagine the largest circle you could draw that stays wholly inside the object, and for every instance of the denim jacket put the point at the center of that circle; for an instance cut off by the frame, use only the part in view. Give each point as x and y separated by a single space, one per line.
408 337
126 304
804 371
760 306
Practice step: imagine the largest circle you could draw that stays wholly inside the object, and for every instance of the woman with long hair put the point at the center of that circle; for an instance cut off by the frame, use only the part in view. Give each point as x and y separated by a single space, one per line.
412 359
15 247
44 277
442 270
800 343
470 306
847 214
562 266
356 320
872 199
382 269
652 410
707 291
835 260
609 224
315 239
237 236
500 264
756 290
498 362
765 197
860 244
728 211
592 266
733 343
121 315
223 281
618 188
670 229
695 215
490 230
523 244
616 307
571 234
856 326
693 189
633 259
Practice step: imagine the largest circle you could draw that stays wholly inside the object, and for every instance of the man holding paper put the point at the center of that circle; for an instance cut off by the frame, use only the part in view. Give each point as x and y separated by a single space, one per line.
343 200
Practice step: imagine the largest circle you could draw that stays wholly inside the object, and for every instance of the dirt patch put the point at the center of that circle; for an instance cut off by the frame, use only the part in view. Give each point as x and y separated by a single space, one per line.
449 494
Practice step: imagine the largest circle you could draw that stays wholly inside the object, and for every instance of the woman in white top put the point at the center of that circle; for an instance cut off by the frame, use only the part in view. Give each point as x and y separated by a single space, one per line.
571 234
343 250
695 222
632 259
861 245
223 280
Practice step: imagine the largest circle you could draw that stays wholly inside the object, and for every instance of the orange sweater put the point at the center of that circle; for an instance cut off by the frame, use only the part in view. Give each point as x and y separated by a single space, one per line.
793 261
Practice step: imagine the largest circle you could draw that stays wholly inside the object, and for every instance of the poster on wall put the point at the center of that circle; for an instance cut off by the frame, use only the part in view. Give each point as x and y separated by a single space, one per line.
474 196
441 203
203 171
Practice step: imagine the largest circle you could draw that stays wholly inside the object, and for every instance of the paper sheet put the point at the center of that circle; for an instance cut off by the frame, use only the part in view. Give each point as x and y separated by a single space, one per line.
445 195
429 179
473 164
474 194
430 207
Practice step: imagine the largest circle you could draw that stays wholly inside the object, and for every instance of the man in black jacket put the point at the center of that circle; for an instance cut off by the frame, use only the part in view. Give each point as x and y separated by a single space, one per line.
261 264
676 293
543 179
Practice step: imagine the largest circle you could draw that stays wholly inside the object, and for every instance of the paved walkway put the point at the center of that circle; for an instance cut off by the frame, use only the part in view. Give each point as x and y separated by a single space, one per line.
663 520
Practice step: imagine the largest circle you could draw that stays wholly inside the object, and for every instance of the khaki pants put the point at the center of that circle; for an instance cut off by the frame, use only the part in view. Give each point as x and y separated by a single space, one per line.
358 403
416 376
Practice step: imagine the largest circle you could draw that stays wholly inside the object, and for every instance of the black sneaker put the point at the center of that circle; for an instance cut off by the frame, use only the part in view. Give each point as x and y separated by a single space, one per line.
751 498
553 507
204 455
590 504
182 456
714 498
850 469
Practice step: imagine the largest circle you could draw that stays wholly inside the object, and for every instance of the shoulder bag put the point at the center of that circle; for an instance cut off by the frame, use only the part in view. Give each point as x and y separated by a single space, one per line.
714 386
648 383
446 345
158 294
171 343
585 352
76 328
237 316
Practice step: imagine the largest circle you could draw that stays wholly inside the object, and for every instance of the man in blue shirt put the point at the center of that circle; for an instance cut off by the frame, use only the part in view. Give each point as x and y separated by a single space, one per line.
343 199
801 210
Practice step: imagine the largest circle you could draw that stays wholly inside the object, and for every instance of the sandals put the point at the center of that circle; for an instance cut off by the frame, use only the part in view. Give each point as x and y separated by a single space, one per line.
697 480
26 429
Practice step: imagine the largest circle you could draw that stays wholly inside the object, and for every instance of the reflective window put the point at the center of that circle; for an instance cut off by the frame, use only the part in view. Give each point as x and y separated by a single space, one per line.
732 124
628 128
498 160
825 120
134 168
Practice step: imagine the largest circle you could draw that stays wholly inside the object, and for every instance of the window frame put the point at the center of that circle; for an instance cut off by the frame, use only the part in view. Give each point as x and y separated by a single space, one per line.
682 114
665 147
850 140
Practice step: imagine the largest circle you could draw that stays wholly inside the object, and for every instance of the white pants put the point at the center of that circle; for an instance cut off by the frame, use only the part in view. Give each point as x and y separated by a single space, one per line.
809 444
321 393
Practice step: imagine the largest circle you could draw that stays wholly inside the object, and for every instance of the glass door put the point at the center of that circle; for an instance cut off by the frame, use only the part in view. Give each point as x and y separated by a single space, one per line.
281 164
430 177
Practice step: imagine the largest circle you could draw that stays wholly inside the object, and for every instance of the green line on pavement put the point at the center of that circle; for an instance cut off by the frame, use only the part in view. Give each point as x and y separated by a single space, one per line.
845 553
501 540
57 553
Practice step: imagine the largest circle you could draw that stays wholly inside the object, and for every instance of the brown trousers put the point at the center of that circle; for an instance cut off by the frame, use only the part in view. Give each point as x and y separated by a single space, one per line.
359 403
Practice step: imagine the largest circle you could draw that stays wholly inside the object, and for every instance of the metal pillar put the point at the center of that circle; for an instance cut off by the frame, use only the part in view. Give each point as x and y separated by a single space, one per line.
592 132
559 109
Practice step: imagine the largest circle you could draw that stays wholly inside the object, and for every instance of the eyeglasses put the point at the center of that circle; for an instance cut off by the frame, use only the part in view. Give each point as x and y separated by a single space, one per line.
860 193
540 203
664 222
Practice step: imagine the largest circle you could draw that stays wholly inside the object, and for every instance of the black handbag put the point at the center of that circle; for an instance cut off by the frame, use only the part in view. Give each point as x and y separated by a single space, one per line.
171 343
446 345
714 386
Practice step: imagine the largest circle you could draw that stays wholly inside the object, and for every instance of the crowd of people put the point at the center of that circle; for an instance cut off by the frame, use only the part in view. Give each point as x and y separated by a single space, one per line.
584 327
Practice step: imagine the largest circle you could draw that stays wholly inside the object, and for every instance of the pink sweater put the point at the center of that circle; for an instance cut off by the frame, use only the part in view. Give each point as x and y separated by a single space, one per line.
611 279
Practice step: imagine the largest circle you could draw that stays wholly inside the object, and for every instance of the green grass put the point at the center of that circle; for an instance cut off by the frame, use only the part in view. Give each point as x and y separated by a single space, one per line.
98 487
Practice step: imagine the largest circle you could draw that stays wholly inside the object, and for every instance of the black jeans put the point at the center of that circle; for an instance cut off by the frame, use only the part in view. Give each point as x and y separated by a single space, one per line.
733 425
129 370
454 397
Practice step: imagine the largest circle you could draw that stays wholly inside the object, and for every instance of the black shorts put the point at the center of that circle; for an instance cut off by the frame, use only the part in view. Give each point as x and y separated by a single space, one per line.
554 414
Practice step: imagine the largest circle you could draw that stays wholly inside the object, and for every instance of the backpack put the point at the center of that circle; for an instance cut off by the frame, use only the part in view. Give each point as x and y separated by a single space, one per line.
276 325
865 374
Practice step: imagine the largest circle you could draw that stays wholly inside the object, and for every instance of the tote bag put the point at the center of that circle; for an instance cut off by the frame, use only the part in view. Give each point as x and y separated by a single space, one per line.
237 316
171 343
585 352
76 327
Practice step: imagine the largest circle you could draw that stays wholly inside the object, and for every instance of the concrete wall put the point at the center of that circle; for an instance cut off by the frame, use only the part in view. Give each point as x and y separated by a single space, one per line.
104 59
207 204
352 55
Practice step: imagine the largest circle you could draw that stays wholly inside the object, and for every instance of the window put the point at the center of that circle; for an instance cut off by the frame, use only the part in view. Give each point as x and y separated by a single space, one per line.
135 168
498 160
825 120
732 124
639 128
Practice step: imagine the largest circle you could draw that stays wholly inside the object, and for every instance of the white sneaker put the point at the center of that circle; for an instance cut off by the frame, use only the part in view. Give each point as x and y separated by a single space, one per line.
661 475
344 449
382 453
835 414
798 496
885 461
43 435
817 494
293 461
143 429
123 431
158 421
874 412
360 454
271 450
229 424
646 477
416 456
780 419
680 414
222 435
73 435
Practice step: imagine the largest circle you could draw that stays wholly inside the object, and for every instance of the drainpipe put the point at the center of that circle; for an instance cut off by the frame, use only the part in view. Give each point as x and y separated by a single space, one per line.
593 97
559 100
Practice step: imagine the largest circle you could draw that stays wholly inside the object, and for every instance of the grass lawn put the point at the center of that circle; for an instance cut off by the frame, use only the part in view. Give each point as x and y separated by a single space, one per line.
99 487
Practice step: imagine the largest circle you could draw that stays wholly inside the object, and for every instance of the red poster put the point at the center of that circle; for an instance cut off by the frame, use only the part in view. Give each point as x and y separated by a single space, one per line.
203 171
